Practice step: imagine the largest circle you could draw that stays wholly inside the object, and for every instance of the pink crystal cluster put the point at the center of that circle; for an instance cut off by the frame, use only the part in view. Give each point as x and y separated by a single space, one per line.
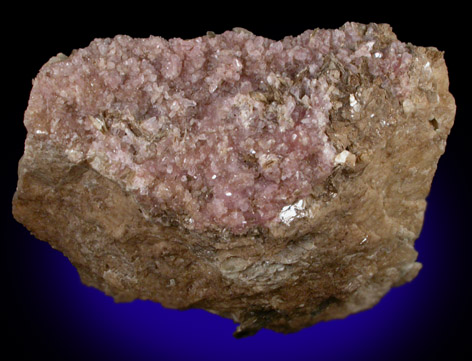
221 131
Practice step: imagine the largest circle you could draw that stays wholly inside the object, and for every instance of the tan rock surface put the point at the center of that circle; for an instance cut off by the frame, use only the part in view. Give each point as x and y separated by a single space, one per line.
335 251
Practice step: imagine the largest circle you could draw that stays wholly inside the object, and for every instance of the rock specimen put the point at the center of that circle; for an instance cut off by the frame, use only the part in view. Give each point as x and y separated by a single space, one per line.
276 183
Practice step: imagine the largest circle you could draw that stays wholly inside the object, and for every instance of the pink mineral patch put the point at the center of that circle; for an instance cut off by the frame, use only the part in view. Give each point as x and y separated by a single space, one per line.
219 131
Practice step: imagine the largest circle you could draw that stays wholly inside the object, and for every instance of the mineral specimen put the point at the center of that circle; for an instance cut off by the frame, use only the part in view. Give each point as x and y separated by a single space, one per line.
276 183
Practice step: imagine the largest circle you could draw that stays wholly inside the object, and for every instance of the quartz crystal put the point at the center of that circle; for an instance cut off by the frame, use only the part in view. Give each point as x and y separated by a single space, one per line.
276 183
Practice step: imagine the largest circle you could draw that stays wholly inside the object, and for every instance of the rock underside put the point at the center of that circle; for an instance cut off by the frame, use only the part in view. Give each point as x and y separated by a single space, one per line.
276 183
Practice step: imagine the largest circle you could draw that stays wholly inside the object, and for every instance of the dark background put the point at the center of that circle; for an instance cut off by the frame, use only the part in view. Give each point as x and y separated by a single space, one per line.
47 313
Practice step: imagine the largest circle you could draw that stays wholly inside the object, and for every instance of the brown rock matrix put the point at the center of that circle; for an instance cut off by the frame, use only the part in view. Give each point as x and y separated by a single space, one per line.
276 183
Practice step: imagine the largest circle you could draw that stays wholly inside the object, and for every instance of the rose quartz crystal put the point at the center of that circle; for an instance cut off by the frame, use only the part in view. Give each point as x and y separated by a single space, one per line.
223 171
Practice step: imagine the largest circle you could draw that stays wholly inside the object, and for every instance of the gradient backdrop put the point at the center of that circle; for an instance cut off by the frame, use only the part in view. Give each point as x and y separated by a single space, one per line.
49 314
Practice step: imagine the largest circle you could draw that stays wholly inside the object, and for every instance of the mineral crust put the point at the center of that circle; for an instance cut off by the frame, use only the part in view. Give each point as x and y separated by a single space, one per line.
276 183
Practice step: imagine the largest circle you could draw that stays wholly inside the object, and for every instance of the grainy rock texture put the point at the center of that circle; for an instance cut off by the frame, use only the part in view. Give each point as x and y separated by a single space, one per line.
276 183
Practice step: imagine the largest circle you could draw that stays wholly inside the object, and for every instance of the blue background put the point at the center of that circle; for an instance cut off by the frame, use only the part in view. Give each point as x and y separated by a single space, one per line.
49 314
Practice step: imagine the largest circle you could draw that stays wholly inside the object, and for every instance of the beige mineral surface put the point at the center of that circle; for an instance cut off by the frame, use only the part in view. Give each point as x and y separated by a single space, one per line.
276 183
